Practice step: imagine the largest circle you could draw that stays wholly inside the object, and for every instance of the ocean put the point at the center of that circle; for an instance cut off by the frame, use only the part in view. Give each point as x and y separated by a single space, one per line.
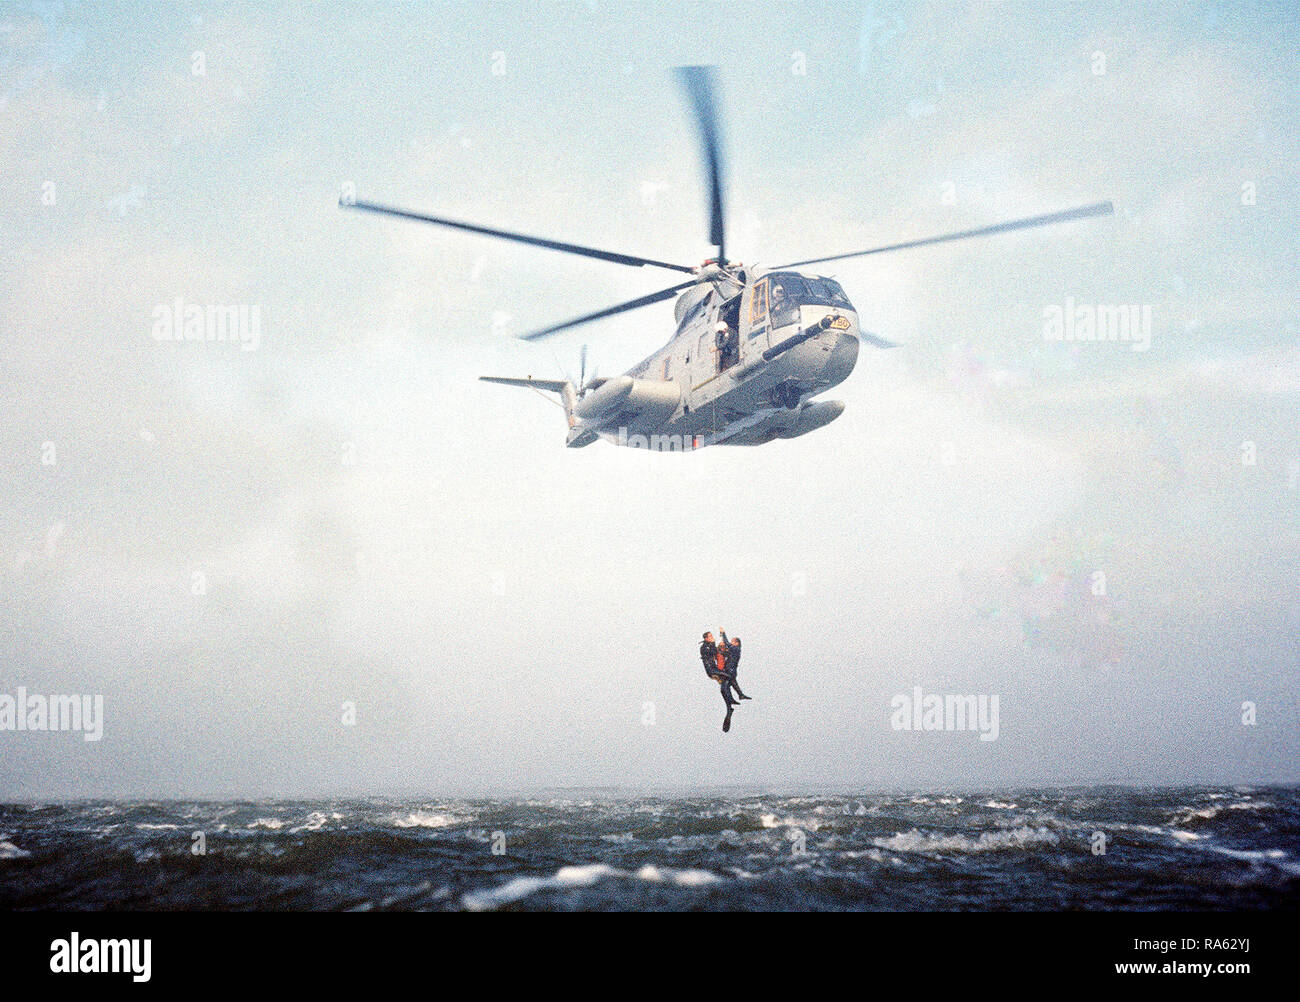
1086 848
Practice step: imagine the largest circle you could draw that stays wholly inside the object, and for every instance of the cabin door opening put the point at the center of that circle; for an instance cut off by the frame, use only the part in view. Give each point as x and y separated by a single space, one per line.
729 340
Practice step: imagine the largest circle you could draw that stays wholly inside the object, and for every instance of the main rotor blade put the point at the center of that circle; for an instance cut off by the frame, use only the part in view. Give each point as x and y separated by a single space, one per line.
633 304
521 238
699 82
1083 212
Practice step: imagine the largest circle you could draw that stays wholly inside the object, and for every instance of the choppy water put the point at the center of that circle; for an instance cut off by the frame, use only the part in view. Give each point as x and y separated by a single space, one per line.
1197 848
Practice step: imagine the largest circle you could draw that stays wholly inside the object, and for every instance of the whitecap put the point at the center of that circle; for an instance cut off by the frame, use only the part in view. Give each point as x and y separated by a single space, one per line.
426 819
875 855
772 821
1185 814
314 823
522 887
681 878
10 851
1277 858
568 877
1120 826
1012 838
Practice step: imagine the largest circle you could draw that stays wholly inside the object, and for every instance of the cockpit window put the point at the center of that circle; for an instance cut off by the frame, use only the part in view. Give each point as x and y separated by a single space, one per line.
790 291
826 292
786 293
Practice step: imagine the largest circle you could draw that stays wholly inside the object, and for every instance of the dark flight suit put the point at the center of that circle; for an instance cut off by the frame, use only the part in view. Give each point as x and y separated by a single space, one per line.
709 655
731 653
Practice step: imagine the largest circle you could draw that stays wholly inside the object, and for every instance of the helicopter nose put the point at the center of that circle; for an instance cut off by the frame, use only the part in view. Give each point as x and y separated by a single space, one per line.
842 356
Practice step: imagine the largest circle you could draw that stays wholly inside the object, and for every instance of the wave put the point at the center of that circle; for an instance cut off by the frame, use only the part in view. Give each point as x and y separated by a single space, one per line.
573 877
1121 826
775 821
426 819
679 878
917 841
315 821
1277 859
1189 814
10 851
676 826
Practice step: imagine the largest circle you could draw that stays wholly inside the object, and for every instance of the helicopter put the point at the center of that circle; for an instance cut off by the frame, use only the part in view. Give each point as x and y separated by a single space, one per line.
753 346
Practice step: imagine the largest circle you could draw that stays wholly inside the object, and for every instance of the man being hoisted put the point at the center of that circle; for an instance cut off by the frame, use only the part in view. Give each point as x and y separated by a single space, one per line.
714 666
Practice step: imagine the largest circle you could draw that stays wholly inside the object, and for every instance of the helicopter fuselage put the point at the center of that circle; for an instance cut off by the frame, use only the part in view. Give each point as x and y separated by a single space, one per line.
788 336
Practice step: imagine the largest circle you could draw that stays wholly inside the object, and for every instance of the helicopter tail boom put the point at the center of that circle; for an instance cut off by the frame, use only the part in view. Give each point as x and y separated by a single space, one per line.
578 435
552 385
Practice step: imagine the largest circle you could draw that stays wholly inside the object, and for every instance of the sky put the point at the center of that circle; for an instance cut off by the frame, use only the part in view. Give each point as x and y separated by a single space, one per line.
331 562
